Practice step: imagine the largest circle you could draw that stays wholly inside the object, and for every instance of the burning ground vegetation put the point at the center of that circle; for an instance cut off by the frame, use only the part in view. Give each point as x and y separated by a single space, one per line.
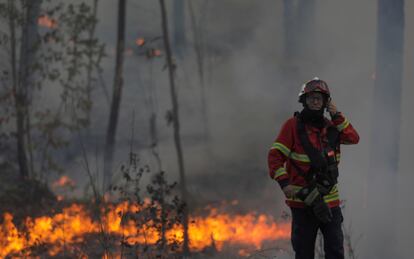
132 227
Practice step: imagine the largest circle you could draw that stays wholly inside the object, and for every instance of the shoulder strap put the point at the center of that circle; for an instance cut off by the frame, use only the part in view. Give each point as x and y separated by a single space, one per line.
307 176
333 137
315 156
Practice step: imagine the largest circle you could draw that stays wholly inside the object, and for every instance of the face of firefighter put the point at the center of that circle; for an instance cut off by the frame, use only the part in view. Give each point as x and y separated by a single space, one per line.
314 101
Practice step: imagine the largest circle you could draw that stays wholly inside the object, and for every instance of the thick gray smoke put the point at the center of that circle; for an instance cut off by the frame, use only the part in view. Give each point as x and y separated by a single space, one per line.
249 96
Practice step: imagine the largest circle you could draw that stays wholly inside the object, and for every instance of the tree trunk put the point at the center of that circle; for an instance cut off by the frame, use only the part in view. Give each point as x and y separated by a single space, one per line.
289 29
21 154
299 45
116 96
176 124
22 76
385 137
305 31
91 62
299 31
179 40
199 49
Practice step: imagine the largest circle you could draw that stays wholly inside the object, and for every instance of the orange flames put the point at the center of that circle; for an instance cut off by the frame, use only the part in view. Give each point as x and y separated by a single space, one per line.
249 229
140 41
64 181
47 22
70 227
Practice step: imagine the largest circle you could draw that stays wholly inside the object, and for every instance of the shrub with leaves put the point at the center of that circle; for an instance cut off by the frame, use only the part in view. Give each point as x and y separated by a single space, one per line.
160 210
52 61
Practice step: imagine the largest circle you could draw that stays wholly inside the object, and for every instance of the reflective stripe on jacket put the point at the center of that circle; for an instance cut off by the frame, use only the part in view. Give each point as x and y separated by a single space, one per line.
287 149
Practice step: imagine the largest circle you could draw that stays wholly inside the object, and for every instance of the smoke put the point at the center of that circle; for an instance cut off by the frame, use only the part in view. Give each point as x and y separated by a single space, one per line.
249 96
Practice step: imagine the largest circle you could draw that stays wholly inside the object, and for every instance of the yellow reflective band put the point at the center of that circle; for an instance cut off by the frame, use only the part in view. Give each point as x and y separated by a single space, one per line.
331 197
279 172
282 148
338 157
287 152
334 189
300 157
343 125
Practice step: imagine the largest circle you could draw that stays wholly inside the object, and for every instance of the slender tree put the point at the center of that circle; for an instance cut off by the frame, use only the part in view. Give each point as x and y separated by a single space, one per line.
198 32
179 40
385 137
152 102
22 75
305 30
289 28
176 123
299 31
92 63
298 43
21 154
43 41
116 95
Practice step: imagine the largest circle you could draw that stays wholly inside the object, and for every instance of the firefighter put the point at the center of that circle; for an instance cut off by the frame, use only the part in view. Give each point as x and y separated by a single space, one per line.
304 161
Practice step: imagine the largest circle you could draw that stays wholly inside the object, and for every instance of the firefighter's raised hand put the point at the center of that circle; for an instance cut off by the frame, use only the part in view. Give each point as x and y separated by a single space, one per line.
332 109
289 191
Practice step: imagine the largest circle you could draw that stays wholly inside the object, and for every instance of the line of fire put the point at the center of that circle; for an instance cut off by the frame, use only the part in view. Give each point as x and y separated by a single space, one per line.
149 129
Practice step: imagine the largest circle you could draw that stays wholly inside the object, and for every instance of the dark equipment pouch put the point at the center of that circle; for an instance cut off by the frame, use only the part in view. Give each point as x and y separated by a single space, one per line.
327 178
333 142
322 211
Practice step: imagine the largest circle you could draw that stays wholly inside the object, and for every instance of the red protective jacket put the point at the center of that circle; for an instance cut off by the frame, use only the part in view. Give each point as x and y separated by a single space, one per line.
287 148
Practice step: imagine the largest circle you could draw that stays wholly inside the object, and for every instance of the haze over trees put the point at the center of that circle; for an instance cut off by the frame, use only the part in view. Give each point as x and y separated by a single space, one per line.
196 90
384 154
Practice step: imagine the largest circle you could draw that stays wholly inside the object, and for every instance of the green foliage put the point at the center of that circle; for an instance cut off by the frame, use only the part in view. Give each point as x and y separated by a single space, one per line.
159 209
61 79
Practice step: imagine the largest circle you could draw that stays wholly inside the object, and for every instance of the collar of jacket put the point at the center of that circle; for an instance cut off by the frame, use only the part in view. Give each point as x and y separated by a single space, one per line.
313 118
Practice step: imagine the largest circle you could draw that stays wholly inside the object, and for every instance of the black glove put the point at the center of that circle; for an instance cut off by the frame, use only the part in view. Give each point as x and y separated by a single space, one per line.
311 196
308 194
321 210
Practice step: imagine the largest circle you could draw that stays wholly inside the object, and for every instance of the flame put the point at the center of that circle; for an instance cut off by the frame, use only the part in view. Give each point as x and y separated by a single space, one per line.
140 41
235 229
64 181
47 22
66 229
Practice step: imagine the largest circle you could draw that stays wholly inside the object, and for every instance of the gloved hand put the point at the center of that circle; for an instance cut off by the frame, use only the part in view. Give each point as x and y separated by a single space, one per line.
289 191
321 210
308 194
333 111
312 198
